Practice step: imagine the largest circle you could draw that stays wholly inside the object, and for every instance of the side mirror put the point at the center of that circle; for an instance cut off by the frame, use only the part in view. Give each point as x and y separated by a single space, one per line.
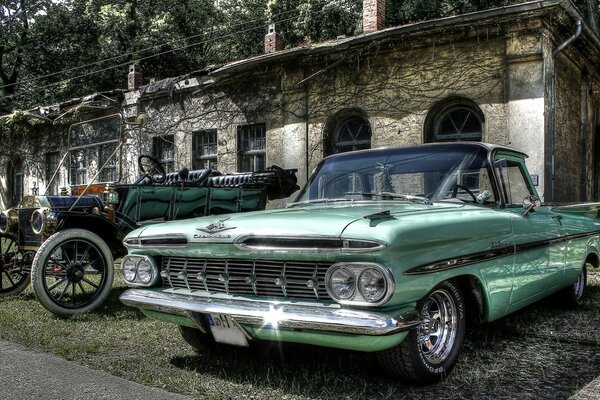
531 204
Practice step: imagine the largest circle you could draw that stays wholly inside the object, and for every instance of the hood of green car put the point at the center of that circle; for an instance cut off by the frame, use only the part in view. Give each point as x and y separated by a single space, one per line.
379 221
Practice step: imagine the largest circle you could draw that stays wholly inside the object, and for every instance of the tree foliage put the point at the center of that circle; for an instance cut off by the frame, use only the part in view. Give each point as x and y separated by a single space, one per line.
54 50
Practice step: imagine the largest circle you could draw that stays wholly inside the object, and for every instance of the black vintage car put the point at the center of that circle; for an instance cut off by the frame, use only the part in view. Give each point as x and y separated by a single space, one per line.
65 245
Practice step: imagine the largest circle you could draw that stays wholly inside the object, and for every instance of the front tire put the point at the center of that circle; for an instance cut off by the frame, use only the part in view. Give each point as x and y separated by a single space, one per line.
195 338
430 351
72 272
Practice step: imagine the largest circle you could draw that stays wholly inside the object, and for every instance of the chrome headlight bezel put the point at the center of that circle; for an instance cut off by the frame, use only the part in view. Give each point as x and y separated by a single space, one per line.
38 220
4 222
137 279
9 221
144 271
128 269
357 269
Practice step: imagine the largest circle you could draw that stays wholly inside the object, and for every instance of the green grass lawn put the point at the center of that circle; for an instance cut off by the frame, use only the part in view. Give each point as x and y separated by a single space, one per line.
541 352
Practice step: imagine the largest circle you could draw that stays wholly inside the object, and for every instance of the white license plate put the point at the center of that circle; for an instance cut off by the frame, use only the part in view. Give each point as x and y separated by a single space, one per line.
224 330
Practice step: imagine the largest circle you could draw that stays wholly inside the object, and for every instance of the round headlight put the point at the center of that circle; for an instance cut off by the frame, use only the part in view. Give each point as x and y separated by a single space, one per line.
343 283
9 220
128 266
3 222
144 271
38 219
372 285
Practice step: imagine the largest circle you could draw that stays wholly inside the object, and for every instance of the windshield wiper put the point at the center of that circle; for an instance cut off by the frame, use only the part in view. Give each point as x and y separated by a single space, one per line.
393 195
409 197
315 201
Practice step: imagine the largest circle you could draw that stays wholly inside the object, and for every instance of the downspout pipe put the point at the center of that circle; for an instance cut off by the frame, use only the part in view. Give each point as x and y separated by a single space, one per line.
552 111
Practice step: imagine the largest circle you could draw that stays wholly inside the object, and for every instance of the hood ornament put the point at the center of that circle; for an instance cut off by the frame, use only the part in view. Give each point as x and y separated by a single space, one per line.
216 227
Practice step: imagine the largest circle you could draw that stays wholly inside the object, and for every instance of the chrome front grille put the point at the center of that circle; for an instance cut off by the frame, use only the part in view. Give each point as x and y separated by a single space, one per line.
273 279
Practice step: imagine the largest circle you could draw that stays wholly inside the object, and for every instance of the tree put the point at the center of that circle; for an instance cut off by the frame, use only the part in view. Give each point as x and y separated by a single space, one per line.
51 50
15 16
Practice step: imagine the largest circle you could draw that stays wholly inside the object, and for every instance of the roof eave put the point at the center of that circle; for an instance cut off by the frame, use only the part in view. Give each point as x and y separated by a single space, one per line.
338 45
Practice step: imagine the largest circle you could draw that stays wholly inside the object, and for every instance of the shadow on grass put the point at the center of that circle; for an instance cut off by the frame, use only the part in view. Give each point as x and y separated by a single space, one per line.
113 306
292 368
544 351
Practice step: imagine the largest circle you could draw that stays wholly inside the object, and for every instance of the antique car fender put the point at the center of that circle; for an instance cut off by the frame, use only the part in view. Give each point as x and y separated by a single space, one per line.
111 233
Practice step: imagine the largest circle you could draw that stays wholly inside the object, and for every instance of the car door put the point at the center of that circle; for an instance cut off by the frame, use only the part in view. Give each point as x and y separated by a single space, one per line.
539 258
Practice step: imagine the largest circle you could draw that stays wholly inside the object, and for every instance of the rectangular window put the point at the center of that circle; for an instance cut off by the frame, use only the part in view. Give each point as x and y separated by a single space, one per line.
94 150
251 147
52 160
205 149
163 148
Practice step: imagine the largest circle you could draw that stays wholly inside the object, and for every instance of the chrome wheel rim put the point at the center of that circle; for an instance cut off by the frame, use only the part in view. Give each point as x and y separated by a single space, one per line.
437 332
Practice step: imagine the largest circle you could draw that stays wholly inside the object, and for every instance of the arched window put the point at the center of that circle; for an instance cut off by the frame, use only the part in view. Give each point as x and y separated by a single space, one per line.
347 133
454 120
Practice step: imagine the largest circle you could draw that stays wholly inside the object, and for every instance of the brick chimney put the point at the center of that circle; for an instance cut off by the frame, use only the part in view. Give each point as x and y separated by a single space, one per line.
134 78
373 15
273 40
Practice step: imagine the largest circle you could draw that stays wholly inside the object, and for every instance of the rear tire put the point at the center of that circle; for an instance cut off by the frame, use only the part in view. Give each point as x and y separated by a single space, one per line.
195 338
430 351
574 295
14 267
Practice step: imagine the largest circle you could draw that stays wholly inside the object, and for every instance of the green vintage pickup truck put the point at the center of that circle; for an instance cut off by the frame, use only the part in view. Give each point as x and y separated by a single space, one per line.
388 250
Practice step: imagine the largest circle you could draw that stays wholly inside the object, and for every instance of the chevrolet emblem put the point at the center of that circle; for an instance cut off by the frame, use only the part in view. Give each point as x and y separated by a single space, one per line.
216 227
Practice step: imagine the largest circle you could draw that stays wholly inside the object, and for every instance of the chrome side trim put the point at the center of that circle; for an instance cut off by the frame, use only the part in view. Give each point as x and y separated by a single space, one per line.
494 254
461 261
177 241
273 315
313 244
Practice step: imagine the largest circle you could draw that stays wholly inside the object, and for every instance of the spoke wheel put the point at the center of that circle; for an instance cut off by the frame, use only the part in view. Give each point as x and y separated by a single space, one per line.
429 352
72 272
14 267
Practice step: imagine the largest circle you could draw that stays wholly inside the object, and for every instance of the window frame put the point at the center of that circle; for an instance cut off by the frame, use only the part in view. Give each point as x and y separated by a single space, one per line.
248 156
501 166
111 139
52 171
444 109
336 146
18 183
200 160
162 144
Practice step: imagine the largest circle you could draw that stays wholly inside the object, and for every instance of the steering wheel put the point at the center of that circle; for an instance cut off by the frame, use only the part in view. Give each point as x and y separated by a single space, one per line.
455 192
152 168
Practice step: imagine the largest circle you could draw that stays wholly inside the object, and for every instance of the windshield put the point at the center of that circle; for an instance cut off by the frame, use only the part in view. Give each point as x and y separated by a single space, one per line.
94 150
430 173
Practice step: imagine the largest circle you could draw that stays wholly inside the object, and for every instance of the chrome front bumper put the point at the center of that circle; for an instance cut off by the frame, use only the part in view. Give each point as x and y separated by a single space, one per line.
280 315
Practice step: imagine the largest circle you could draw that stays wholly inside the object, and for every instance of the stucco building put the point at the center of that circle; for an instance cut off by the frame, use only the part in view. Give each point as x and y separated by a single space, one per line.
525 76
